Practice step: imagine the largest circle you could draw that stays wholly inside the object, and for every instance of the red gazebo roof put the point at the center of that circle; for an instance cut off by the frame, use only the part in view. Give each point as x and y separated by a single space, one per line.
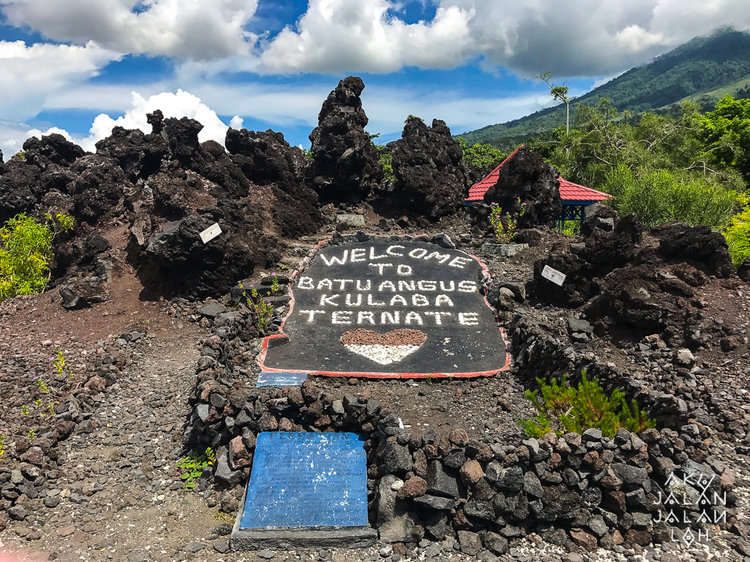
569 192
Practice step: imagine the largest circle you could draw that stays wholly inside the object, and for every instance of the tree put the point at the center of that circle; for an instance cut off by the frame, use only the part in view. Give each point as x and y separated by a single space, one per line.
560 93
726 134
480 158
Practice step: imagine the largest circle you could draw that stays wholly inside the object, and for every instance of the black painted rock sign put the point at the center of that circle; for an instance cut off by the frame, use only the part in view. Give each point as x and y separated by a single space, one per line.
388 308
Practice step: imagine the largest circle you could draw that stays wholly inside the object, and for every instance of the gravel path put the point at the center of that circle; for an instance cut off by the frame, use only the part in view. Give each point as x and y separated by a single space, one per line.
117 493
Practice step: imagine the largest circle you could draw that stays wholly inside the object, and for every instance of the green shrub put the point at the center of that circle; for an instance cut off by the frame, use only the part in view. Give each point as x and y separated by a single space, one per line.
483 157
738 237
570 408
262 311
663 196
192 466
505 225
571 228
26 252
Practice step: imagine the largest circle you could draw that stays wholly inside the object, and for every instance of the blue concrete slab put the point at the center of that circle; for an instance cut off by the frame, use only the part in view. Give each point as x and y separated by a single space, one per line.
280 379
306 480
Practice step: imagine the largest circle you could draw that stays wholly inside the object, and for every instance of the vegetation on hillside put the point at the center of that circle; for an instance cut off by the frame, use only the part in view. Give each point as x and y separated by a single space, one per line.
738 236
703 69
480 159
681 167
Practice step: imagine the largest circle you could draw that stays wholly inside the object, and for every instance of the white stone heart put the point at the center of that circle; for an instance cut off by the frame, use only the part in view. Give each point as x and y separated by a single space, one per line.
383 354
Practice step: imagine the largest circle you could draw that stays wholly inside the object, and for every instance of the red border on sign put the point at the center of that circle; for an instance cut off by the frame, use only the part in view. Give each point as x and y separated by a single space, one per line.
376 374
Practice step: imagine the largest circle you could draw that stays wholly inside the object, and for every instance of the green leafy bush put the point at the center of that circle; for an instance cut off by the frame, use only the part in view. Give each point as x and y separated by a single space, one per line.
664 196
262 311
26 252
565 408
505 225
726 134
192 466
738 237
483 157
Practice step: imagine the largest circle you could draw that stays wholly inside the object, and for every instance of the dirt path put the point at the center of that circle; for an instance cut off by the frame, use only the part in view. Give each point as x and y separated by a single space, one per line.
118 495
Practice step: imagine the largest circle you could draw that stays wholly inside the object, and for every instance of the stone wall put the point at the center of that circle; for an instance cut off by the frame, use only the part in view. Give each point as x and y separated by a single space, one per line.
585 490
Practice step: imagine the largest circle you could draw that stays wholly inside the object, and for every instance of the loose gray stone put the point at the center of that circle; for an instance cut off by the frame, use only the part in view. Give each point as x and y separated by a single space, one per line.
630 474
224 475
592 434
597 525
532 485
194 547
440 482
351 221
212 310
396 459
222 547
202 411
505 250
17 513
580 325
496 543
684 357
435 502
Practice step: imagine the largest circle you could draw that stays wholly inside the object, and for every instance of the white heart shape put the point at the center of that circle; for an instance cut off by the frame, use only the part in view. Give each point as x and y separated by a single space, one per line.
383 354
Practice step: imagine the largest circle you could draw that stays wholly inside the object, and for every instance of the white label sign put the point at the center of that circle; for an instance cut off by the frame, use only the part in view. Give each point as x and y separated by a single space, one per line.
557 277
210 233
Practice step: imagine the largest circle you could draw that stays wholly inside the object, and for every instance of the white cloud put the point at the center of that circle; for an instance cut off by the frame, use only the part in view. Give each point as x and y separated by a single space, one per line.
288 105
30 73
13 135
198 29
362 34
581 38
178 104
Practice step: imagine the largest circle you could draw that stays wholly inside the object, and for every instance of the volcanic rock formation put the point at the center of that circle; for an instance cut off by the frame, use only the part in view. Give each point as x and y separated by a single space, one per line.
267 159
345 164
529 178
431 179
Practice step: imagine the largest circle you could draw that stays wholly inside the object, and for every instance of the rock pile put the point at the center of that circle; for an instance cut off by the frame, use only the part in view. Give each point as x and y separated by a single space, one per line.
587 490
165 187
35 471
266 159
631 290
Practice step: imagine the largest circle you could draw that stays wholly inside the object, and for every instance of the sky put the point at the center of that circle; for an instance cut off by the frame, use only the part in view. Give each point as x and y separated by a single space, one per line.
80 67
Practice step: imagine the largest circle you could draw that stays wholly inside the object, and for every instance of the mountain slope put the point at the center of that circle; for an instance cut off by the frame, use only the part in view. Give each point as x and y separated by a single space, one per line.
699 70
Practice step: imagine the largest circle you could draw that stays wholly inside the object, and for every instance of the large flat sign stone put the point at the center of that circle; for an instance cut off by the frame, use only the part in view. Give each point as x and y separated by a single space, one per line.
388 308
305 489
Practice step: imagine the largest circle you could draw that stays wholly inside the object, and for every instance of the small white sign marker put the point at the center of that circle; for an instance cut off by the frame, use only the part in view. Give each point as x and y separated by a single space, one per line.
557 277
210 233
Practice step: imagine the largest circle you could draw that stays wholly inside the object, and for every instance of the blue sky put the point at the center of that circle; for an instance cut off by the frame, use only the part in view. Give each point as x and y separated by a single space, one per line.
81 66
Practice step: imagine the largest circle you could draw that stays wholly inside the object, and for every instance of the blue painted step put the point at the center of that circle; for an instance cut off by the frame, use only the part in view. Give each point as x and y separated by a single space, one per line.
306 480
280 379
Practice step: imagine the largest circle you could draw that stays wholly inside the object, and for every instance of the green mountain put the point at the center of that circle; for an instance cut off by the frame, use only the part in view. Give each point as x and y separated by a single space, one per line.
704 69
